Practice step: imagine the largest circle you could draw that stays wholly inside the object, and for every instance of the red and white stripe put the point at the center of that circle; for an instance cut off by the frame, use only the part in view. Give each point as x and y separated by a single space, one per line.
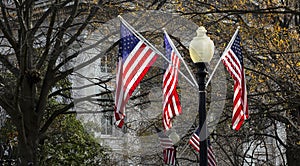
130 72
165 142
171 104
169 151
169 156
240 105
194 142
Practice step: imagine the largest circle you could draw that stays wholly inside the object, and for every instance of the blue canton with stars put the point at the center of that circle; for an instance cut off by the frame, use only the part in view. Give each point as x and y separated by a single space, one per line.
168 49
127 42
236 48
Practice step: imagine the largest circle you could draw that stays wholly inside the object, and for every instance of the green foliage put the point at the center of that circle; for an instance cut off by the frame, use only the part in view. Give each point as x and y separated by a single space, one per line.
69 144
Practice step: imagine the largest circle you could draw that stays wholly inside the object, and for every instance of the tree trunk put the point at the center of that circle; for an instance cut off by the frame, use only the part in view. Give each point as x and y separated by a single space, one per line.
27 153
293 150
29 128
293 156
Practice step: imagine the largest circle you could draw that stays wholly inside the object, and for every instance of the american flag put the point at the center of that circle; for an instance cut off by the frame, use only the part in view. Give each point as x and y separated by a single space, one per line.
169 156
135 59
233 61
171 103
194 142
169 152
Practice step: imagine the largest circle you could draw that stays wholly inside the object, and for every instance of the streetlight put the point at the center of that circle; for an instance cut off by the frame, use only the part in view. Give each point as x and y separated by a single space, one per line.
201 50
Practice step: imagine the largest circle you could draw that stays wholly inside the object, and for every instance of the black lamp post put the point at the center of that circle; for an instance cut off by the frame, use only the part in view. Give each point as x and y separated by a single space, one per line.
201 50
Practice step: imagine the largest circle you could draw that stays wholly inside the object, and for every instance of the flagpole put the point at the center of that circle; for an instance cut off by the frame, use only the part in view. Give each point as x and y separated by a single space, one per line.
157 51
138 34
228 46
178 54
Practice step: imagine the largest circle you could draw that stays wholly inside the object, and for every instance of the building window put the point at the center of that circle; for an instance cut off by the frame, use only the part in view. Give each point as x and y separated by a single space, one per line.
107 123
107 63
106 106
